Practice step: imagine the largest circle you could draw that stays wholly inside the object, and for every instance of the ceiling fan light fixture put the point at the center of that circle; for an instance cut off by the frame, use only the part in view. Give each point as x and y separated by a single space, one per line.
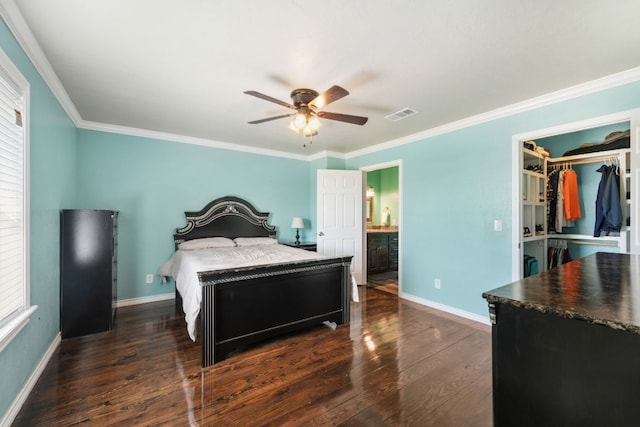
313 123
299 121
293 127
308 132
305 102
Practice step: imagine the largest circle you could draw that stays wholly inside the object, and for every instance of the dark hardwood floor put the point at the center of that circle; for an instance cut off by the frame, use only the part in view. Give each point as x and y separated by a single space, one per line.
396 364
387 282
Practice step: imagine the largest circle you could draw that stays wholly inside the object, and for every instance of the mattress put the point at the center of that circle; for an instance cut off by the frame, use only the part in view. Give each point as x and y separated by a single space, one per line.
184 266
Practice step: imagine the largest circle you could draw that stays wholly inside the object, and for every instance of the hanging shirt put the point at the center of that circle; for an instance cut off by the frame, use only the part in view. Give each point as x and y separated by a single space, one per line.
570 195
560 203
561 219
552 188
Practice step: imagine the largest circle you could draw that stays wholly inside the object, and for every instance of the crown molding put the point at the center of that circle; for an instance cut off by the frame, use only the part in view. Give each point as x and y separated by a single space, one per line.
170 137
25 38
16 23
324 154
593 86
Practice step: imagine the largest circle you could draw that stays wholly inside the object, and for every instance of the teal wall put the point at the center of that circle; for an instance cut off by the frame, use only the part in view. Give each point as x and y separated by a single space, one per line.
153 182
52 178
454 185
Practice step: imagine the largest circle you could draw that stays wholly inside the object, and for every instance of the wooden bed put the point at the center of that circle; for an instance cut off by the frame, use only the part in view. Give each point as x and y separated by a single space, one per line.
243 306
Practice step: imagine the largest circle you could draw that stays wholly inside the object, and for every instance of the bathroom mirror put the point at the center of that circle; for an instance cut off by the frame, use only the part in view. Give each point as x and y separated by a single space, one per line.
370 210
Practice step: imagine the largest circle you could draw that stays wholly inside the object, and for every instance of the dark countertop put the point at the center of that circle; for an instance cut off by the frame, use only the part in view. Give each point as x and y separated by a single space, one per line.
382 230
603 288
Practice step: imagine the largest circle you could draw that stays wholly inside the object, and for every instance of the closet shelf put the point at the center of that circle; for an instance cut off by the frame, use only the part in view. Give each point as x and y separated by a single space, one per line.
534 238
532 173
533 153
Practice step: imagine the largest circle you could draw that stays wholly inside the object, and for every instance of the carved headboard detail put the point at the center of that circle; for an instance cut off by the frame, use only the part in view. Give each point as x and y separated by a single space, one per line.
227 216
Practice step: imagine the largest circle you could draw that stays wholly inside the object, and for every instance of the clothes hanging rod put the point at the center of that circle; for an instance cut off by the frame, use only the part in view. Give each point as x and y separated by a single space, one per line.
582 242
587 242
589 157
583 162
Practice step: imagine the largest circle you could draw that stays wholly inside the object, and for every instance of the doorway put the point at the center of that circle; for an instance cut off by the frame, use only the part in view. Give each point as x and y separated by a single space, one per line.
383 209
566 132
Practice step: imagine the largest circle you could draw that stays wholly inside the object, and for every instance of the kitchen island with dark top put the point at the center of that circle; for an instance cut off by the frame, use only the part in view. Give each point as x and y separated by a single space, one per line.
566 345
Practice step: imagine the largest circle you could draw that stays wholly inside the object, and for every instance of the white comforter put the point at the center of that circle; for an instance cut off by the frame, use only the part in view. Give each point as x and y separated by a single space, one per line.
184 266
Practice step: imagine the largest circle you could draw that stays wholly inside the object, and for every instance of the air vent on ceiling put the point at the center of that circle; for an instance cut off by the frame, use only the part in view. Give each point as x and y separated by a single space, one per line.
402 114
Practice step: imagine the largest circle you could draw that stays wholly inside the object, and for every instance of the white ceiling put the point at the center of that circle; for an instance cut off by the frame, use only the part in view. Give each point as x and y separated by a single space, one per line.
180 67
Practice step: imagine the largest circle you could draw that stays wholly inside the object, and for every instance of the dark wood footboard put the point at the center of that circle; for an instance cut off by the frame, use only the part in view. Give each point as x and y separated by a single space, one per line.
242 306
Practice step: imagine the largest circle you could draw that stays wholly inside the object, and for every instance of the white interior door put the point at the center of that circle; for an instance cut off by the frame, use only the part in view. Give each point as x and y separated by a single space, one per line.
340 216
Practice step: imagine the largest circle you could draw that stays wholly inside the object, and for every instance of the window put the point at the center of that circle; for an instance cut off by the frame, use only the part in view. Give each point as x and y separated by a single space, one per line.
14 214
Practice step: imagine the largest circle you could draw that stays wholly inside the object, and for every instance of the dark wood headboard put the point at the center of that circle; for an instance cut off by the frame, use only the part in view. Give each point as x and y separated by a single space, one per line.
227 216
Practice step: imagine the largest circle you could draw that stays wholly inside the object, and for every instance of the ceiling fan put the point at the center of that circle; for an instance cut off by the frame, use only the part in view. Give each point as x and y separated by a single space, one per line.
306 103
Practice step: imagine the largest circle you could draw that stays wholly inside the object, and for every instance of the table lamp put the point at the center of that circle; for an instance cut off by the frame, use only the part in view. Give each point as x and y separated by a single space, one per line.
297 223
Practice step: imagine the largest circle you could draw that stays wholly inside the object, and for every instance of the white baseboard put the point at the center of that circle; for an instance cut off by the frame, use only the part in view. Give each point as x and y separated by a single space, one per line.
144 300
17 403
447 309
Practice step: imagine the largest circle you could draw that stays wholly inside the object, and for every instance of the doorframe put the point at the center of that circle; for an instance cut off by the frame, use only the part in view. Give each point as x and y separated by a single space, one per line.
371 168
632 116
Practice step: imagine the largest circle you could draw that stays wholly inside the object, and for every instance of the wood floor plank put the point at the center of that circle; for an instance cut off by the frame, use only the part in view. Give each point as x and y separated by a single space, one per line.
397 363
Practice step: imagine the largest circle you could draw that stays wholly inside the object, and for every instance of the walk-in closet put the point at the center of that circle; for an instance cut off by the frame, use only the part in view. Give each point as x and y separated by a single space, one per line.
576 192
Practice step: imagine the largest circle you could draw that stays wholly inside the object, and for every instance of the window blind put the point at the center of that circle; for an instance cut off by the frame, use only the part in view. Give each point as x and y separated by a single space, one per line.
12 214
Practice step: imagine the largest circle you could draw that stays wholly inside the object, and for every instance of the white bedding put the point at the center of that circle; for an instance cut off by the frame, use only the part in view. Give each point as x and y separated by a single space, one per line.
184 266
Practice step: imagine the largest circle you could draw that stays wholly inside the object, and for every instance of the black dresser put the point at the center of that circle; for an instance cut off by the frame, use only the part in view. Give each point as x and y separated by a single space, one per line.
566 345
88 267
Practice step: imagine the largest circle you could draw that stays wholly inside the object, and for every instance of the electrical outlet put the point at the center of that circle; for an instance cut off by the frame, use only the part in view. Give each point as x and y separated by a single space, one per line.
149 278
437 283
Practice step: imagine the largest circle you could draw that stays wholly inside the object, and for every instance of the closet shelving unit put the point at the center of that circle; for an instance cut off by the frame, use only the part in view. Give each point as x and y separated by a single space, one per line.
622 159
534 206
534 203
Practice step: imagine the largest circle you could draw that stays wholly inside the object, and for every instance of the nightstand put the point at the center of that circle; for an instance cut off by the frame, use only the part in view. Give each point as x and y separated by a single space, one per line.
307 246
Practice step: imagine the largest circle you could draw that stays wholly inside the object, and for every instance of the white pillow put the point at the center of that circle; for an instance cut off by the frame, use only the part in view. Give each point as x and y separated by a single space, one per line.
254 241
208 242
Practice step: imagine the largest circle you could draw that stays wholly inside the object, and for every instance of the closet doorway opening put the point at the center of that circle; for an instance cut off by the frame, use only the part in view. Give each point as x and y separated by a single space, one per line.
544 234
383 219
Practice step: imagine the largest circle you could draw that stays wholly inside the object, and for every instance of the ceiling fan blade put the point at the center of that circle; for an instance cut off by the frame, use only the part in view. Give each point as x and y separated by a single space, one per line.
356 120
269 98
255 122
327 97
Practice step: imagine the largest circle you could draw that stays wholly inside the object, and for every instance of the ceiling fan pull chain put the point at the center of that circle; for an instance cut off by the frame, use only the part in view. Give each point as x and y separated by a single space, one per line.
310 139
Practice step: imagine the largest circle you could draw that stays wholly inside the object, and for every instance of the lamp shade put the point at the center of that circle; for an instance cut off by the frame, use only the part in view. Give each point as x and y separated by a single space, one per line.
297 222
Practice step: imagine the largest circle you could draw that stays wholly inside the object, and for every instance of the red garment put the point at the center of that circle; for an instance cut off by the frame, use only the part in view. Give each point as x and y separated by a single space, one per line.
570 195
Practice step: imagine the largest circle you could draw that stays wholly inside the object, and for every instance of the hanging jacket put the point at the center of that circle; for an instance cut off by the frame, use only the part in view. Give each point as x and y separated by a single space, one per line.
608 210
611 201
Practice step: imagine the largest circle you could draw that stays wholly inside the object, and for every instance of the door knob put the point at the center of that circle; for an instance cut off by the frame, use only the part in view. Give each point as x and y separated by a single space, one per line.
321 234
